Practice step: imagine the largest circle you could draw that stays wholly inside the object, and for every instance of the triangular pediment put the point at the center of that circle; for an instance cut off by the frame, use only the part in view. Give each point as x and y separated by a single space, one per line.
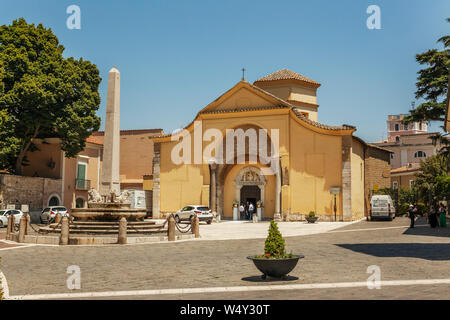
243 96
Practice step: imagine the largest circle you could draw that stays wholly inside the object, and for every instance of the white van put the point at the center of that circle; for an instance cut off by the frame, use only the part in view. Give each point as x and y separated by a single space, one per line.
382 207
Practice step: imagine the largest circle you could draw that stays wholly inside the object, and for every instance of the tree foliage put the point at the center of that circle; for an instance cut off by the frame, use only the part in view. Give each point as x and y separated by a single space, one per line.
432 85
433 182
43 94
274 245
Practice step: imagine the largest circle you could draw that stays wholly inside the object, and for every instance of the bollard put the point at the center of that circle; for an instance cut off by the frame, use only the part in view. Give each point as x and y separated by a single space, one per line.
64 239
22 228
122 237
195 223
58 218
8 228
28 225
171 229
11 224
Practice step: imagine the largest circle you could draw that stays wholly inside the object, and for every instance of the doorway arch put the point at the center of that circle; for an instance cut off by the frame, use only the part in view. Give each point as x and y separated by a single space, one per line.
250 184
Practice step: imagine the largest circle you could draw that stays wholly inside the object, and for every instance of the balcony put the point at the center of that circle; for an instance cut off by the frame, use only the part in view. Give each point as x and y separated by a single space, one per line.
82 184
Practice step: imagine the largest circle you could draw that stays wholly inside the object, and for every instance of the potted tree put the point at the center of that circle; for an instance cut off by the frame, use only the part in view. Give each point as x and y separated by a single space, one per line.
275 262
311 218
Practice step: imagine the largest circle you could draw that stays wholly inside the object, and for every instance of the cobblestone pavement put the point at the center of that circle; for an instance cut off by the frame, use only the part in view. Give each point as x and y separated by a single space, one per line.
341 255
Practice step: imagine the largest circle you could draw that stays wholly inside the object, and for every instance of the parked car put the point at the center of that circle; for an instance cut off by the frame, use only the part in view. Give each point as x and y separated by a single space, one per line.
4 215
48 215
382 207
187 213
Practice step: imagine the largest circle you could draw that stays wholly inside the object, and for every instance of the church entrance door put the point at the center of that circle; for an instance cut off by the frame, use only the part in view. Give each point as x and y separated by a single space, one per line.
252 194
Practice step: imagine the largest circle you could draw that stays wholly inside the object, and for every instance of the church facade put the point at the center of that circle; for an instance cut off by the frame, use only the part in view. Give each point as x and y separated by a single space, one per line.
306 165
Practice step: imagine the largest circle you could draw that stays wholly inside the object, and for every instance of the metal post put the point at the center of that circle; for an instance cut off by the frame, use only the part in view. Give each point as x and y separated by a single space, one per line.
335 208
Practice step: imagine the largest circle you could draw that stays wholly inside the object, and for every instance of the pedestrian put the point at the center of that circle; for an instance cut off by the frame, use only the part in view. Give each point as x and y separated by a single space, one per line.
432 219
246 210
411 215
442 215
241 211
251 210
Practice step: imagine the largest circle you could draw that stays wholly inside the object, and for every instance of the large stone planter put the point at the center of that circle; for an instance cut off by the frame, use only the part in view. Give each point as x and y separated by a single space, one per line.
277 268
311 219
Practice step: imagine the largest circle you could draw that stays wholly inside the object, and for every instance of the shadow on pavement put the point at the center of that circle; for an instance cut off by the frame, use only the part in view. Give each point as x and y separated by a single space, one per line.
422 228
268 279
427 251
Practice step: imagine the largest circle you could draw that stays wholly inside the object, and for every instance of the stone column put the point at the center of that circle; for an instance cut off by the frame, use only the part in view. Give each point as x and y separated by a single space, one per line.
156 189
111 146
213 186
346 178
277 215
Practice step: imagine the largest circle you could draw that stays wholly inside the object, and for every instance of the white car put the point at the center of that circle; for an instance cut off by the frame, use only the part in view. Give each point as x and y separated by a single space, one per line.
187 213
4 215
49 214
381 206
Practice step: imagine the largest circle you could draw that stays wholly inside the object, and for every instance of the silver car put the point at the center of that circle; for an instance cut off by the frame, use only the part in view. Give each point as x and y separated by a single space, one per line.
4 215
187 213
48 215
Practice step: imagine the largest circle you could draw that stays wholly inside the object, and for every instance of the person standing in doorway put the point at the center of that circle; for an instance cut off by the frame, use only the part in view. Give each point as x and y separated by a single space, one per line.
411 215
251 210
246 210
442 215
241 211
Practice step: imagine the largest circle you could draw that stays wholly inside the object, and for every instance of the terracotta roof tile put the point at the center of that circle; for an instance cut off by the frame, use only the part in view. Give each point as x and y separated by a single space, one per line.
286 74
408 168
299 115
94 140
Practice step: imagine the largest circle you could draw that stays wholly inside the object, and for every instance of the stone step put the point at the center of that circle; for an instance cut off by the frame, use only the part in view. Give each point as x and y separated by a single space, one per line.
107 223
104 231
113 227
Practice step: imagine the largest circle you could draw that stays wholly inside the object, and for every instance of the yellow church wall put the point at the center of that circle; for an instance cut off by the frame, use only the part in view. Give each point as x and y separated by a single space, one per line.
357 165
179 184
315 166
230 192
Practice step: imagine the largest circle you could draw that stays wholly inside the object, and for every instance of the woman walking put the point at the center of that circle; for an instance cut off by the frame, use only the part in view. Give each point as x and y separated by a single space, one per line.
442 215
432 219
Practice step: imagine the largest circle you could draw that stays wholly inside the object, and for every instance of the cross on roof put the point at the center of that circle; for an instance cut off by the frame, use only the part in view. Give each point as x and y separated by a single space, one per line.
243 74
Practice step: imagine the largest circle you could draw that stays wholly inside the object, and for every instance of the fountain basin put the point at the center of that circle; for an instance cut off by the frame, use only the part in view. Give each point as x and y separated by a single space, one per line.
107 214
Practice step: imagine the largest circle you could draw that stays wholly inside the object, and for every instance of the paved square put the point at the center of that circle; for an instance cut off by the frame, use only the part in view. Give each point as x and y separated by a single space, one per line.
336 256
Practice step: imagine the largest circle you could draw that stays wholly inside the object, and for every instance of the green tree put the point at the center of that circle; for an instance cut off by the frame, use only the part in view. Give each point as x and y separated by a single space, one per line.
432 85
274 245
432 181
43 94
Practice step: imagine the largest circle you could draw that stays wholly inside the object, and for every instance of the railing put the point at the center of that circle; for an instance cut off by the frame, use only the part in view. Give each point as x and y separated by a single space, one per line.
82 184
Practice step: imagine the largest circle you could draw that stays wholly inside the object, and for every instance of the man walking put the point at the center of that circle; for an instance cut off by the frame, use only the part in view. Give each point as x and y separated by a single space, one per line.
411 215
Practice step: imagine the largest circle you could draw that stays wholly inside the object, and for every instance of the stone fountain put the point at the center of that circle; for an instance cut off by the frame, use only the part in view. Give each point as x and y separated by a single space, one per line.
108 208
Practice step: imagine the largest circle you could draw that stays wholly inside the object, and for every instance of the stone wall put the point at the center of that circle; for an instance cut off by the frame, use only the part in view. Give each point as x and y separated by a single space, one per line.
33 191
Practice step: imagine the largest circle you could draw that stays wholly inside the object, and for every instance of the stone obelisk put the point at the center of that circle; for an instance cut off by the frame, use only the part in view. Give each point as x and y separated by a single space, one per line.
110 181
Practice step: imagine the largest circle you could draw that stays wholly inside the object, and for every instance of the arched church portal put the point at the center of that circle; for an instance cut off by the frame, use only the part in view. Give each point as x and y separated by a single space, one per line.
250 186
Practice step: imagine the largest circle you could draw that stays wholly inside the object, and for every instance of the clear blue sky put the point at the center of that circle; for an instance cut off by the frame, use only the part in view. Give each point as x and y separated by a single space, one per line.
175 57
